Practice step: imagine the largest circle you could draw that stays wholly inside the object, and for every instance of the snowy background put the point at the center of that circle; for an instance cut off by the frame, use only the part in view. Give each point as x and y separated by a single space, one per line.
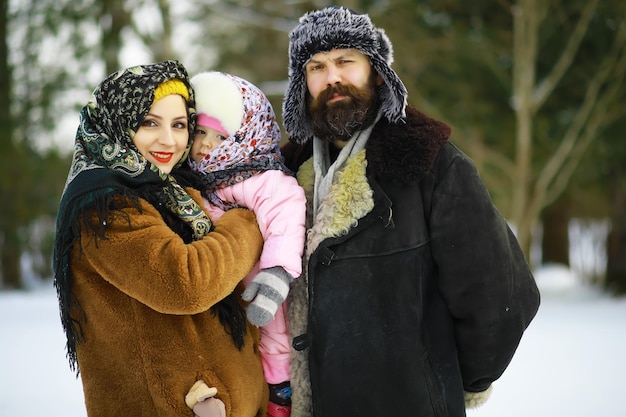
570 362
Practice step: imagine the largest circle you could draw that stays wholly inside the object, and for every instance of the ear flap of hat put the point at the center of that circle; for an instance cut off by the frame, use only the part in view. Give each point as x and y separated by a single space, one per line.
219 97
394 93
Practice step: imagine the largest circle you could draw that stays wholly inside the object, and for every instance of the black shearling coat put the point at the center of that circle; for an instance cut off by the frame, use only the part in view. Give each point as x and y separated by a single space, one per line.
415 291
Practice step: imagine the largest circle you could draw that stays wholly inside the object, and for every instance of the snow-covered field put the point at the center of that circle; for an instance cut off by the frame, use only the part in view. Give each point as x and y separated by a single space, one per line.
570 362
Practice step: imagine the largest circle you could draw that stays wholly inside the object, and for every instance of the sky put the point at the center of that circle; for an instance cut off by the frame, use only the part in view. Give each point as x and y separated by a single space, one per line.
569 363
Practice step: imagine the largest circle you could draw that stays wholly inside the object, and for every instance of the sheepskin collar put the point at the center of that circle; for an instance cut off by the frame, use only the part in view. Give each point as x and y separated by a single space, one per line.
404 151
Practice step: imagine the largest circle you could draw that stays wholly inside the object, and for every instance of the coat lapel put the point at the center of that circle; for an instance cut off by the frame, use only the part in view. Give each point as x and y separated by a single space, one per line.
349 199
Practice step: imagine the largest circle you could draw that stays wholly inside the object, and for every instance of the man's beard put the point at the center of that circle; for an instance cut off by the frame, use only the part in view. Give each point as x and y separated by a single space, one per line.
341 119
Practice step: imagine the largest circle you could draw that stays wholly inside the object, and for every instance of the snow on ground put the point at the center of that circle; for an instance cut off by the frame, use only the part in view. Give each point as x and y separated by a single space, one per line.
569 363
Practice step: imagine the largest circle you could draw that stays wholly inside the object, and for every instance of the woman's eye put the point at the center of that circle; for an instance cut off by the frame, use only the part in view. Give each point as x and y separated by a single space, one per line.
149 123
180 125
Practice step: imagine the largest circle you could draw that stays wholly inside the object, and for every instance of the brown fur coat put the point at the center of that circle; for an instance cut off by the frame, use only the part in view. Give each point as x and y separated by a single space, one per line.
148 332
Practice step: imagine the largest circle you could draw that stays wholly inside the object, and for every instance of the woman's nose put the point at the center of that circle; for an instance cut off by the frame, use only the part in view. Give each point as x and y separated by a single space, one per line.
166 136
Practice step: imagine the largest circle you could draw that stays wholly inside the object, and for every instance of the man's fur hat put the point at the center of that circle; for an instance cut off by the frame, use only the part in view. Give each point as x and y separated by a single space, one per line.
337 28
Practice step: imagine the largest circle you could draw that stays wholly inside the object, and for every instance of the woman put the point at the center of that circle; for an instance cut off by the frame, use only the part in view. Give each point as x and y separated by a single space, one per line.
148 287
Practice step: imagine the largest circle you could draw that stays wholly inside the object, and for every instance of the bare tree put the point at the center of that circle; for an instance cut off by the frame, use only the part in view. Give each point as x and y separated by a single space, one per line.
159 40
9 251
536 187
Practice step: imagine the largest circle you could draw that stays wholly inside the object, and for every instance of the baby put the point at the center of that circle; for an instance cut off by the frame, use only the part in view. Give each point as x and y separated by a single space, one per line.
236 150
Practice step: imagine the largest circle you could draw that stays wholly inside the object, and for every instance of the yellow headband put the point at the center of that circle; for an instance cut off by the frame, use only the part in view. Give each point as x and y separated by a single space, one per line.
173 86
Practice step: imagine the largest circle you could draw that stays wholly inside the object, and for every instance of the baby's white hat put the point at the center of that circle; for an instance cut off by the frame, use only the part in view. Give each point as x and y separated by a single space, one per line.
219 101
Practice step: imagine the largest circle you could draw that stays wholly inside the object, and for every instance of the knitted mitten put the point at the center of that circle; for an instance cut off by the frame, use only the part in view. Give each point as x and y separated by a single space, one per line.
268 288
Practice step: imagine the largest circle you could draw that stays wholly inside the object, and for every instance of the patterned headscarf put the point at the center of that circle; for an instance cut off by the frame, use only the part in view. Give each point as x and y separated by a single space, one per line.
106 163
252 147
109 122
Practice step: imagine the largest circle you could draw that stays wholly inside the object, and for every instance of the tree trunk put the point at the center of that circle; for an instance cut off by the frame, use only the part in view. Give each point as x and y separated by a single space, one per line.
115 19
555 242
525 28
616 241
11 252
163 48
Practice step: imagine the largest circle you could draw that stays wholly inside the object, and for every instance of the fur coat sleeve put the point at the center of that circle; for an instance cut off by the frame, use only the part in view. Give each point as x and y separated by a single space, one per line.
180 273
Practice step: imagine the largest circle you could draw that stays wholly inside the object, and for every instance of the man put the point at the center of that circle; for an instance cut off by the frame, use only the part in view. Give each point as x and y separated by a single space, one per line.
415 293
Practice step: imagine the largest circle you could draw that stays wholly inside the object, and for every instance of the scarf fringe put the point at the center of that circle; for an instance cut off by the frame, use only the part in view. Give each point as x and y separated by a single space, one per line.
91 211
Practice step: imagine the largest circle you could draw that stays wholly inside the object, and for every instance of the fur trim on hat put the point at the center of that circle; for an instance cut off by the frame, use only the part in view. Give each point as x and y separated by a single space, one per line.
337 28
218 96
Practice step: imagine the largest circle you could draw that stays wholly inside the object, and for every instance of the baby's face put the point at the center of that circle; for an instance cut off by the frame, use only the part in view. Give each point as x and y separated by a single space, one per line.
205 139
